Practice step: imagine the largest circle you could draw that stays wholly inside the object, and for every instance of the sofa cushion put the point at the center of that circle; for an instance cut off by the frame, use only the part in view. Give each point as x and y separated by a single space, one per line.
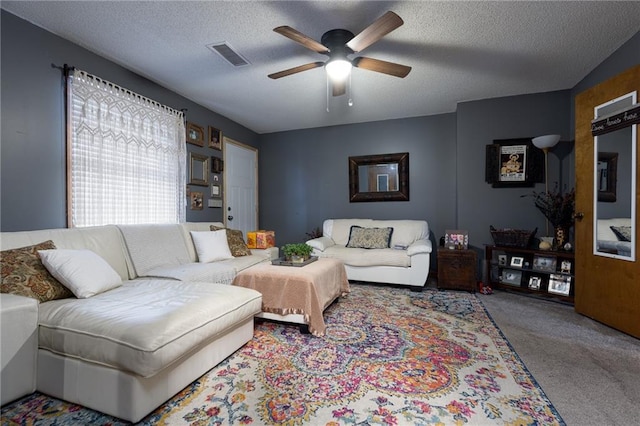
81 271
368 257
211 246
154 246
144 325
23 274
623 233
235 240
369 238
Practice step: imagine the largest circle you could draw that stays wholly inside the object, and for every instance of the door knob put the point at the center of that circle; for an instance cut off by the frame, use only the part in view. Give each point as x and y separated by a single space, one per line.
230 217
578 216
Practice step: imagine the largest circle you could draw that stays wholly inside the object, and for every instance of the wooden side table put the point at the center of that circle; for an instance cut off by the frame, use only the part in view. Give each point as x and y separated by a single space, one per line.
457 269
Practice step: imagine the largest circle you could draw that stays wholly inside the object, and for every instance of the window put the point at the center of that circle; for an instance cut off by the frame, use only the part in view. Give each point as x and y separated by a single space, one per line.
126 155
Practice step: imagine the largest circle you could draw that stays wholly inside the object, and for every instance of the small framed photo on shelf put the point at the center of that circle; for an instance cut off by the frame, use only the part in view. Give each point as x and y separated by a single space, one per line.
559 284
511 277
544 263
456 239
215 138
502 260
534 282
565 267
517 262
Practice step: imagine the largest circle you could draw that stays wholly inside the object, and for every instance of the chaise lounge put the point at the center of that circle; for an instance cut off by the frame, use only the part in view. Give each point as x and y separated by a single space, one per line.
125 350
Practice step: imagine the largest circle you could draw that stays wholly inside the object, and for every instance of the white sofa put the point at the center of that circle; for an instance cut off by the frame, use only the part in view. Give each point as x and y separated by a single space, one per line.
606 239
127 350
406 260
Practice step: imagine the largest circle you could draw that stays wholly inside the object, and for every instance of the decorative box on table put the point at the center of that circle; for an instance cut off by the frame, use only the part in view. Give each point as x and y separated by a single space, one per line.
261 239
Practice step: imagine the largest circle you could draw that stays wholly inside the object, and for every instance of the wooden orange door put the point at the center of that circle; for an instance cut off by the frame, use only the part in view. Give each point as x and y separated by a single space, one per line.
607 288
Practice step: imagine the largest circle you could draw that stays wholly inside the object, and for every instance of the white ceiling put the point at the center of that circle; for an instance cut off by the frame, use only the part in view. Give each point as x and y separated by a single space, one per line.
459 51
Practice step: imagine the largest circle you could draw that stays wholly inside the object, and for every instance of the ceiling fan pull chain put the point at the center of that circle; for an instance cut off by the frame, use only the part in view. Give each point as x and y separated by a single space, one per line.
327 91
350 102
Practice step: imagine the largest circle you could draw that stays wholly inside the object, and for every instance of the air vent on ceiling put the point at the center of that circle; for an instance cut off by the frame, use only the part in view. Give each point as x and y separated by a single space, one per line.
228 54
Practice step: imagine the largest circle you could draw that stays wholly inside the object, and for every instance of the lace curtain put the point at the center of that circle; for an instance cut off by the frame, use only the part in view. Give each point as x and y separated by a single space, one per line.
127 156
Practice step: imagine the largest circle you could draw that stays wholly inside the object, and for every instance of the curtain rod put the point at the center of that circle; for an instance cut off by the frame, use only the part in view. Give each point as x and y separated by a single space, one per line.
66 69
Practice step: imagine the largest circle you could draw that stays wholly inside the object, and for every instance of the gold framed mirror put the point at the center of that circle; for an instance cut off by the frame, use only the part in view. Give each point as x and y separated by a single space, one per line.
198 169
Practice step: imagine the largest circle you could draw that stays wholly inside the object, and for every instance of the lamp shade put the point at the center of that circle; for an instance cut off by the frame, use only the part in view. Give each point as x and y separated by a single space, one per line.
546 141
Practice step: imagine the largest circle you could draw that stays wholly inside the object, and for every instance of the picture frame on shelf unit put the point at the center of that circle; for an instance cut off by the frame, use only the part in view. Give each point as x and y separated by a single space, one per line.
565 267
517 262
511 277
559 284
215 138
534 282
544 263
502 260
195 134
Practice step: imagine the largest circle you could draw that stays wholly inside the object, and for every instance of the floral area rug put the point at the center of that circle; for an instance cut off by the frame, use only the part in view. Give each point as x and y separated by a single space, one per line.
390 357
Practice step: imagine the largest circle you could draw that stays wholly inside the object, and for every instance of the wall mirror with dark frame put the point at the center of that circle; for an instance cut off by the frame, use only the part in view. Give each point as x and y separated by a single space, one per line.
382 177
614 180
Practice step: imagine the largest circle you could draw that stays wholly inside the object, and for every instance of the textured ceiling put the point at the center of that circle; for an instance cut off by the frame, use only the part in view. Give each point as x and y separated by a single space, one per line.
459 51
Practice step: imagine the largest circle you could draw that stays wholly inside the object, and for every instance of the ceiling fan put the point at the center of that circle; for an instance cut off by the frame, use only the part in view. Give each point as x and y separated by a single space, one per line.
338 44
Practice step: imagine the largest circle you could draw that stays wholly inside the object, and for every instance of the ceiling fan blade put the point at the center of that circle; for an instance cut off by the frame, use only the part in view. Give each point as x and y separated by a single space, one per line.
374 32
295 70
339 88
384 67
304 40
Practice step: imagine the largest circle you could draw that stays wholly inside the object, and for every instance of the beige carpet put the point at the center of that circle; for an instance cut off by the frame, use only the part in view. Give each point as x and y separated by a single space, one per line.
590 372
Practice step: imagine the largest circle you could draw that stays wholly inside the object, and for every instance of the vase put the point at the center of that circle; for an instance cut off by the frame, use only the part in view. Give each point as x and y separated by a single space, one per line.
560 237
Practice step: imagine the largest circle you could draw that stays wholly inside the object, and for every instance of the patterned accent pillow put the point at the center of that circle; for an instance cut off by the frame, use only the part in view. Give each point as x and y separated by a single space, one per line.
235 240
369 238
623 233
24 274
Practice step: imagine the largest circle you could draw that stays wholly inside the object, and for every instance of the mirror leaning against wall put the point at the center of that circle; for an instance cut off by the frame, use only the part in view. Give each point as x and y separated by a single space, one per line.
615 171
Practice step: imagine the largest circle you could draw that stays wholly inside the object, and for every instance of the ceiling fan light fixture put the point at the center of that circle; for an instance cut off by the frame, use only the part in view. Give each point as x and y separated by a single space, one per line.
338 69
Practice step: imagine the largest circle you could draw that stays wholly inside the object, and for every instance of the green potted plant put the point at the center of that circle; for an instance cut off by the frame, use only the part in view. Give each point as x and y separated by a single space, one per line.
296 252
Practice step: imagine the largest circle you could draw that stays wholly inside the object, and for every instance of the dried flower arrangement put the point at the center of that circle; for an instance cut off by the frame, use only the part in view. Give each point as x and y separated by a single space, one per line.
556 206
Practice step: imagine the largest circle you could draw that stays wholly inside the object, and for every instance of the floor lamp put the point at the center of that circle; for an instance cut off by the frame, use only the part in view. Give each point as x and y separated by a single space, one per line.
545 143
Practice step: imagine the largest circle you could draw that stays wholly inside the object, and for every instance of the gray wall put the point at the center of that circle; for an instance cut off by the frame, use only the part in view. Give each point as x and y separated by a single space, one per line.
33 177
479 123
304 174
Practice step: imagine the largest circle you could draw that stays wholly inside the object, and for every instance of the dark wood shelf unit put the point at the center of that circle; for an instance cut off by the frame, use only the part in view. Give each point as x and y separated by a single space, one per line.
498 274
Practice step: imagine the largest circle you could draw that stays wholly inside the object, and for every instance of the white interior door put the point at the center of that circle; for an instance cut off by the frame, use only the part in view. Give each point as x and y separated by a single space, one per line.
240 186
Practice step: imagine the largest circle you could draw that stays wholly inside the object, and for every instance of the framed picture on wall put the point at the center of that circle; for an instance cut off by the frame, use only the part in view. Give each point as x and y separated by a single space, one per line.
513 163
195 134
196 200
217 165
215 138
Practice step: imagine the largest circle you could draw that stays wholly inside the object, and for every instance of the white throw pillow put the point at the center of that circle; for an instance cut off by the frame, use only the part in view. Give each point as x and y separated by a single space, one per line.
321 243
211 246
81 271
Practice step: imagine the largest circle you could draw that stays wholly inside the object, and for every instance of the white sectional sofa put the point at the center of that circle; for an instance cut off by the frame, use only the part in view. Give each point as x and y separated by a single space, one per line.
127 350
405 259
